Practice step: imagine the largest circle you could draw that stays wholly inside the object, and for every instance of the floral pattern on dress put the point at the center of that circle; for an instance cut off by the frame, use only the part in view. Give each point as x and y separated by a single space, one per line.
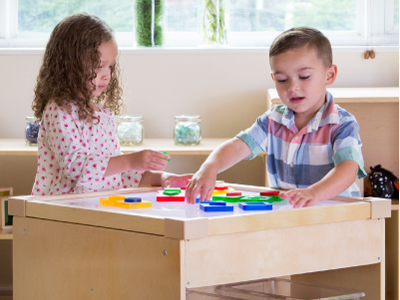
73 154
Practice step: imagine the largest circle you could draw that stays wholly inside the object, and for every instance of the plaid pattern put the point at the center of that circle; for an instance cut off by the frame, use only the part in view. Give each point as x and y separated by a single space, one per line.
297 159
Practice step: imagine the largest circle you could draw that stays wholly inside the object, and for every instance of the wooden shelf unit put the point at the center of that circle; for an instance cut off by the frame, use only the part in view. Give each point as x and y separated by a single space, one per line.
5 230
206 146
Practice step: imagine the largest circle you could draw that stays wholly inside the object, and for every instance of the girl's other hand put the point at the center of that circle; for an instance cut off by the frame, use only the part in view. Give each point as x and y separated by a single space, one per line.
173 180
148 160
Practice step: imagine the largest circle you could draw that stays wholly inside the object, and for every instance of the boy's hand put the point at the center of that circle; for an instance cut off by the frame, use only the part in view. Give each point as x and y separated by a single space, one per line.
300 197
173 180
203 182
147 160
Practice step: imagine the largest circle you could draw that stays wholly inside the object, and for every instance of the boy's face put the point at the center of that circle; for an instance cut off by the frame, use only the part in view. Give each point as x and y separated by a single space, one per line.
300 79
108 55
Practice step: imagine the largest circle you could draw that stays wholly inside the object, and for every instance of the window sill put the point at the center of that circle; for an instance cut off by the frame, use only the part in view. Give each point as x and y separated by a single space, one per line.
202 50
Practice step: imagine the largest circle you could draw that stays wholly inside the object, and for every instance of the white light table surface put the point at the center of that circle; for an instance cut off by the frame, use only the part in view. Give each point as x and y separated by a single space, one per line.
71 247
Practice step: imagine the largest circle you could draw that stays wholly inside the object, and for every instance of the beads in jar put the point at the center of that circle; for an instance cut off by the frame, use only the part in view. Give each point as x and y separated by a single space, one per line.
31 130
187 130
130 129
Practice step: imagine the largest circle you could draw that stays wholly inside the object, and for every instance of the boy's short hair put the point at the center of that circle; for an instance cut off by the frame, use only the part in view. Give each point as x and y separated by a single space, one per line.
298 37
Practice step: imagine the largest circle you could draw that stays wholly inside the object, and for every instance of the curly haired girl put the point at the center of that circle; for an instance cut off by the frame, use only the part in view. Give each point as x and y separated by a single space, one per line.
76 94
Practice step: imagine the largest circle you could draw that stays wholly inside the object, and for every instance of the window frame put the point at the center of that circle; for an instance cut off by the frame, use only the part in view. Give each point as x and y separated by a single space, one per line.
389 19
375 27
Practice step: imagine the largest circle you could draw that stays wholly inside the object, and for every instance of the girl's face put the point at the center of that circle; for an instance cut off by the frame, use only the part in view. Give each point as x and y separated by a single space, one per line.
108 55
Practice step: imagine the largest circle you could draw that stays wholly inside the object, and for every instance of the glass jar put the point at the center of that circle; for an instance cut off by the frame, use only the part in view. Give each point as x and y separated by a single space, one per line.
31 130
130 129
215 22
149 22
187 130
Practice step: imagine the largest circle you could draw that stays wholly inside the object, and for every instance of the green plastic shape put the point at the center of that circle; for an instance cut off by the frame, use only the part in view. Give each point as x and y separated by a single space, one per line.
163 152
172 191
247 198
231 199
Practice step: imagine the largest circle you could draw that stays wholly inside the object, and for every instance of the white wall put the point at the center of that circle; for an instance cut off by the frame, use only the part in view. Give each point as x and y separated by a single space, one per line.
227 89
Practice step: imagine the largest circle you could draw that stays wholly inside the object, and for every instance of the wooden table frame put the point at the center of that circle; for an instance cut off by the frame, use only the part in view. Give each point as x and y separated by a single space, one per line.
65 252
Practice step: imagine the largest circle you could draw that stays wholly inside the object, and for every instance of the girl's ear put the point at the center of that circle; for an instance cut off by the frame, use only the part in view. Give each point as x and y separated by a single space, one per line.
331 75
272 76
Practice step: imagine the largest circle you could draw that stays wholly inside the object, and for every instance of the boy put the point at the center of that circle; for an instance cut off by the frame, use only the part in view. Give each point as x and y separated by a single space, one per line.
313 145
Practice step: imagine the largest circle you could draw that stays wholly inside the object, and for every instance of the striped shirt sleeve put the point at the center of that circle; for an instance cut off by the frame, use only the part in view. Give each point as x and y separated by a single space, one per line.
347 146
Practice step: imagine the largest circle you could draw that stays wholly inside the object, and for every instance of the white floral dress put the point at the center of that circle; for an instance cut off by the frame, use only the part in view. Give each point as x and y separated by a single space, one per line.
73 154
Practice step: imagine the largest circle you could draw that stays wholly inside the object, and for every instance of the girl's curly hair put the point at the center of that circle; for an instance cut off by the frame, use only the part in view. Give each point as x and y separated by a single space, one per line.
69 64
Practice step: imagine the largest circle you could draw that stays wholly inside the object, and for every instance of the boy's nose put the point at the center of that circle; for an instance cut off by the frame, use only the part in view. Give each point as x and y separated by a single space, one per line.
293 85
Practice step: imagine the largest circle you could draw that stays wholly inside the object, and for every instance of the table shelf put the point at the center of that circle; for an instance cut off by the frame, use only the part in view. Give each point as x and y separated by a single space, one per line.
6 234
206 146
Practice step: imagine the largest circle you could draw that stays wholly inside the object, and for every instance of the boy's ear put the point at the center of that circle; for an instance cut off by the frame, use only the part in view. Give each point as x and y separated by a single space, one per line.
272 76
331 74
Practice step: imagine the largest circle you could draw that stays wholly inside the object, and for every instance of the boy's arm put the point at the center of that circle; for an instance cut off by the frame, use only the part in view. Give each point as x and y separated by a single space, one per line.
335 182
225 156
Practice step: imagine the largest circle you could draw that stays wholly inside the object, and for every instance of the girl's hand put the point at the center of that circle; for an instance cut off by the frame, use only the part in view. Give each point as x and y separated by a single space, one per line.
300 197
146 160
173 180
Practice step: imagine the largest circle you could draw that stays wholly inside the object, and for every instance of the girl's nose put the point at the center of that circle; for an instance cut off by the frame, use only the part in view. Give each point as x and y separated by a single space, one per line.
108 74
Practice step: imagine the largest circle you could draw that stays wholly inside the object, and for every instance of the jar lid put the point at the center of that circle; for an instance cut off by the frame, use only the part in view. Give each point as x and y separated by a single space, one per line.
129 118
31 119
195 118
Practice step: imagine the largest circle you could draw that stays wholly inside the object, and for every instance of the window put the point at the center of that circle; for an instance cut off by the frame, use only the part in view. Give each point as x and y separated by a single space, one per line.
264 19
392 17
182 15
249 23
279 15
41 16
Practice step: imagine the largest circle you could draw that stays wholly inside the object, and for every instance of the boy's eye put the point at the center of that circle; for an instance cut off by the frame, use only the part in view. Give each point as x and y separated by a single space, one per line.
281 80
304 77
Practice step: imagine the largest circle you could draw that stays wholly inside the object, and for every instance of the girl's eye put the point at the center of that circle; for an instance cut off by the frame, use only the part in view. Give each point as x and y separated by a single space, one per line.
304 77
281 80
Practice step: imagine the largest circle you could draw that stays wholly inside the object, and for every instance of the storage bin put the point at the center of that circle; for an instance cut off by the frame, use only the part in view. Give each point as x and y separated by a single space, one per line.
193 295
272 289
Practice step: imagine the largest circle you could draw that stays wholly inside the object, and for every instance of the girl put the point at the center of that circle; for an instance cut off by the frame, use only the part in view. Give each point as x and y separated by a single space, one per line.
76 93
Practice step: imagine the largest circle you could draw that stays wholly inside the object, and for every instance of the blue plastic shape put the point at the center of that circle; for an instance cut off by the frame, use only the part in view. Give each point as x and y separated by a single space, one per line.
133 199
255 206
213 208
214 202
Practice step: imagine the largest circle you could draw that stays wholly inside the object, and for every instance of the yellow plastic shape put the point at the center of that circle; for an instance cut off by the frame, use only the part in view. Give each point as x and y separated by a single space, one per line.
116 197
129 205
106 202
222 192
